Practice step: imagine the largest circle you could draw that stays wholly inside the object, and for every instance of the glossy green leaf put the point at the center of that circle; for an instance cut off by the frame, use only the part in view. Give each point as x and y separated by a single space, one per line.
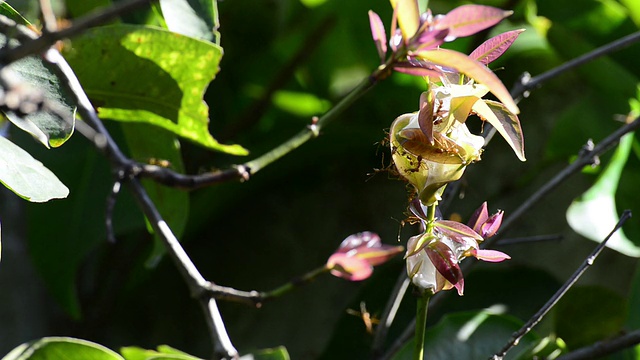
470 335
49 129
61 348
195 18
149 75
473 69
581 308
11 13
150 144
505 122
594 214
278 353
164 352
26 176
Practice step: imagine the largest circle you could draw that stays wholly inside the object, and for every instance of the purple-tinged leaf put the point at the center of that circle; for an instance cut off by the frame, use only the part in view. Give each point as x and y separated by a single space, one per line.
492 225
479 217
446 263
395 35
467 20
504 121
490 255
417 243
425 115
454 229
416 69
493 48
408 17
348 267
378 34
379 255
430 39
473 69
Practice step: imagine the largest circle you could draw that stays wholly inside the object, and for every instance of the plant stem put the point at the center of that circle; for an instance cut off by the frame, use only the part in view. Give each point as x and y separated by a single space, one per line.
421 325
304 279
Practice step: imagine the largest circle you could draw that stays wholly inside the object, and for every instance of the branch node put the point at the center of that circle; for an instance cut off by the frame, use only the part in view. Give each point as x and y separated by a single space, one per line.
244 172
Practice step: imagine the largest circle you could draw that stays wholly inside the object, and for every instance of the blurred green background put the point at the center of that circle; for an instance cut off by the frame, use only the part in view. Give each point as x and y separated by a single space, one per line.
59 276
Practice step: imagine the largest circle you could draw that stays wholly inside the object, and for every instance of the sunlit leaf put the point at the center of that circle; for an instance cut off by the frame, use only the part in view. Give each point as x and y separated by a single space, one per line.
300 103
278 353
61 348
195 18
408 17
493 48
473 69
457 228
467 20
594 214
164 352
171 74
506 123
26 176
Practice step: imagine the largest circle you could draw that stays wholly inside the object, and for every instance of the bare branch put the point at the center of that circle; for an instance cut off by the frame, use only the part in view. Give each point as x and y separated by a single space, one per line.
602 348
537 317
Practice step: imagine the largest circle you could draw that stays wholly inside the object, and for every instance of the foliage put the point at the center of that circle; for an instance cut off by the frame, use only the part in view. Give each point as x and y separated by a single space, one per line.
180 83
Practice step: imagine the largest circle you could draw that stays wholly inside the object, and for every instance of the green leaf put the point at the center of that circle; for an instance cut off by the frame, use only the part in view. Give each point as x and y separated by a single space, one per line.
277 353
473 69
469 335
49 129
26 176
408 17
588 314
299 103
164 352
61 348
152 144
594 214
78 8
195 18
149 75
11 13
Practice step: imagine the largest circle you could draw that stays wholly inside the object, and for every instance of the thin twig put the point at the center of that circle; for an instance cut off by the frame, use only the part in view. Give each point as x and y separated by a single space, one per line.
603 348
537 317
529 239
48 16
389 313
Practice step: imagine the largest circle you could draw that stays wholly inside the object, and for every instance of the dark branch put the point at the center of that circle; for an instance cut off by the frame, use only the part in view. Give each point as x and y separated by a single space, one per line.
535 319
603 348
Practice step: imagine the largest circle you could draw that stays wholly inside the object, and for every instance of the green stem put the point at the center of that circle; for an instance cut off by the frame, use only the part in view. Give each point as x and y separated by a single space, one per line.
421 325
299 281
314 129
431 216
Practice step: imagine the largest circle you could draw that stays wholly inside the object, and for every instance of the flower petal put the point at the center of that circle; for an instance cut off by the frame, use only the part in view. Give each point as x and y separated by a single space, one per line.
479 217
492 225
363 239
378 255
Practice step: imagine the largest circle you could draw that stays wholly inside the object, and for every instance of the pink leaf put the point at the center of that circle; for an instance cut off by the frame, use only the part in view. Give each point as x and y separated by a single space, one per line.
479 217
494 47
378 34
348 267
455 229
490 255
416 69
466 20
473 69
507 123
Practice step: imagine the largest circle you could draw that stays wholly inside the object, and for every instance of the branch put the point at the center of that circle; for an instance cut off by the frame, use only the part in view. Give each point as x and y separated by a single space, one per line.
602 348
535 319
222 346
